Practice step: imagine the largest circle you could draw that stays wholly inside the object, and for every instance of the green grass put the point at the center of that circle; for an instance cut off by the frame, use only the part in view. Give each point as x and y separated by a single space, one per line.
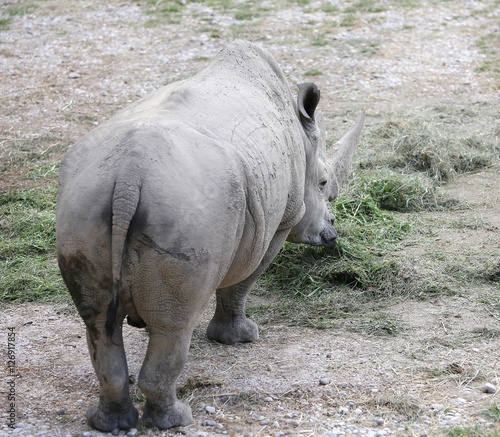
367 233
28 269
329 8
313 72
493 413
12 10
366 6
4 22
489 45
319 42
471 431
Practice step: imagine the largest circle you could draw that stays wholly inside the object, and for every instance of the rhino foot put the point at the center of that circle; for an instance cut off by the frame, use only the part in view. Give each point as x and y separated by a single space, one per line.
237 330
108 421
177 415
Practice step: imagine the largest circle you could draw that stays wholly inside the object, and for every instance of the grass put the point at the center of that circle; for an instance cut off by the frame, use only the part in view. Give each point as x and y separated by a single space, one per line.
471 431
313 72
12 10
378 221
489 46
366 6
430 143
28 270
493 413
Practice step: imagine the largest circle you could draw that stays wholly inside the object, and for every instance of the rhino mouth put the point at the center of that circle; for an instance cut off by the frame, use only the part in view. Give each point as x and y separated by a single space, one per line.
328 238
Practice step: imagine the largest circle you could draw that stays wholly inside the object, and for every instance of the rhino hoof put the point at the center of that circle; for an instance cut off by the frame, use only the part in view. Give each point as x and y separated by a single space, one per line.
177 415
240 331
108 421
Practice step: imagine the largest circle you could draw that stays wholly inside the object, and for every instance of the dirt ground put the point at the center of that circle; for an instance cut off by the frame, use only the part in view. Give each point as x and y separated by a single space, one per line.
67 66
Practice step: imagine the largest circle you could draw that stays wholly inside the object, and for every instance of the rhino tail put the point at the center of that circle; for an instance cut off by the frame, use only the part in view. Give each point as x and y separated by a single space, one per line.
126 197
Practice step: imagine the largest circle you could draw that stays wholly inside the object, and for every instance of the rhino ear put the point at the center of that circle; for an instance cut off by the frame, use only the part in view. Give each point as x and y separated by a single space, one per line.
307 101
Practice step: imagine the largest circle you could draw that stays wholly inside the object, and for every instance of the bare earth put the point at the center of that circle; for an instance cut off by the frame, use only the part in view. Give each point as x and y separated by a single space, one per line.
67 66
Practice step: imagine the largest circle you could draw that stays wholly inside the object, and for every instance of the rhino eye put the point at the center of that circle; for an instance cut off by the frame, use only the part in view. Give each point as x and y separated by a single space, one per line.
322 183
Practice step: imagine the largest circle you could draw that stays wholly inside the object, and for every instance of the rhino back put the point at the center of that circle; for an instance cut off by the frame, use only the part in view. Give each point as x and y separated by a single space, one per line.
219 159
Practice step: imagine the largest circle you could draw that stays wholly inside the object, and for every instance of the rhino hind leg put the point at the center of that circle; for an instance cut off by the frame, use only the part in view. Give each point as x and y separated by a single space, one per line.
115 409
166 355
230 324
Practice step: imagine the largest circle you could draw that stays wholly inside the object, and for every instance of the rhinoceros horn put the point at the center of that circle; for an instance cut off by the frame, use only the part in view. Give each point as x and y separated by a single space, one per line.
339 156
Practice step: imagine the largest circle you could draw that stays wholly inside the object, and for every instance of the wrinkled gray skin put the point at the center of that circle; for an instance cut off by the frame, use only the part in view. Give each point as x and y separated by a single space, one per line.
194 188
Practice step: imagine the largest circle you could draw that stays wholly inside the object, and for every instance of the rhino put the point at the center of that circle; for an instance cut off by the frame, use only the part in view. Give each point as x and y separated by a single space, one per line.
193 189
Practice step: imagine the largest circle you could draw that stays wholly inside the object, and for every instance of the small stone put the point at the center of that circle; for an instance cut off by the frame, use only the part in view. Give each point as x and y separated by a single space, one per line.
268 399
488 388
61 411
378 421
293 422
264 422
275 425
209 409
209 423
116 431
269 368
343 410
73 75
87 434
358 411
324 381
423 434
381 433
132 432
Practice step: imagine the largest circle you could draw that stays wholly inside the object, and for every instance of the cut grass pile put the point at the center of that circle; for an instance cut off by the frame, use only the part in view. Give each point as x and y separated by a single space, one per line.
28 269
432 147
400 176
370 236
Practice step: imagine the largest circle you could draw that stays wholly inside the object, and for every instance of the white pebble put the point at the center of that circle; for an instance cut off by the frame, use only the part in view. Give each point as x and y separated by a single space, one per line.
209 409
343 410
488 388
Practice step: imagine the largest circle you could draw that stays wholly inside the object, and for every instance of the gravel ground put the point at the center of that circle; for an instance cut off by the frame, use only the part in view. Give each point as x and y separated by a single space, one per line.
67 66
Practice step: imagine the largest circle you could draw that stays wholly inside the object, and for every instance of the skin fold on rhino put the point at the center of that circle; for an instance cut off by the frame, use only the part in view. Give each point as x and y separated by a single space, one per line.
193 188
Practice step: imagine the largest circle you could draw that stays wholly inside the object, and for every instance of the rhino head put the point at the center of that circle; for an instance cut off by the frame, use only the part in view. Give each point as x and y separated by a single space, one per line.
326 171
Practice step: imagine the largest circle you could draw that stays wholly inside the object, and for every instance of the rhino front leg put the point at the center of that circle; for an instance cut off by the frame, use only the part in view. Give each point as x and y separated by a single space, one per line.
115 409
165 358
230 324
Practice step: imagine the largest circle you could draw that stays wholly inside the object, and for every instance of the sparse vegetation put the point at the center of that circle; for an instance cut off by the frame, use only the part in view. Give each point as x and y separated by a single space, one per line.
489 46
493 412
313 72
470 431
